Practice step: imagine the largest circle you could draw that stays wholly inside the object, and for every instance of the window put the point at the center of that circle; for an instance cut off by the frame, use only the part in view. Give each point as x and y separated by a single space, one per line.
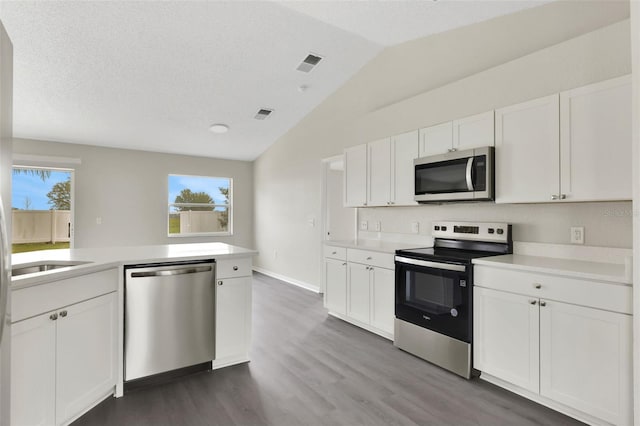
200 205
42 208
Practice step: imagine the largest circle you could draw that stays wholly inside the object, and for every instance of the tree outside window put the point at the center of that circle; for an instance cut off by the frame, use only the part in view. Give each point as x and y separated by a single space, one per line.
199 205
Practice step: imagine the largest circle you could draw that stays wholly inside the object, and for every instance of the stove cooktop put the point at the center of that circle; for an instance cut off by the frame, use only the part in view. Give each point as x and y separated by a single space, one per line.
444 254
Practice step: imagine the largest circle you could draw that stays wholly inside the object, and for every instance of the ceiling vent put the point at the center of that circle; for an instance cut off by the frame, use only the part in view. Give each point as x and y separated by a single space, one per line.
309 63
263 114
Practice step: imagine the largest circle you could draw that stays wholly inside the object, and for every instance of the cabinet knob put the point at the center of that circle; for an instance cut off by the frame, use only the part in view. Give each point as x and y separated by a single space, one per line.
538 286
235 268
543 303
563 196
334 252
554 196
63 314
364 204
344 264
53 317
533 302
220 283
368 257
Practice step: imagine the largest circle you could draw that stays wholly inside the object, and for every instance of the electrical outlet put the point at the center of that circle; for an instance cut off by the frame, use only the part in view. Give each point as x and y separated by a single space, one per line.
577 235
364 225
377 225
415 227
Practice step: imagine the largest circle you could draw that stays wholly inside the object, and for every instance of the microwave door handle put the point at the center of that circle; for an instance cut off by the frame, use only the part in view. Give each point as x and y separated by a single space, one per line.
469 171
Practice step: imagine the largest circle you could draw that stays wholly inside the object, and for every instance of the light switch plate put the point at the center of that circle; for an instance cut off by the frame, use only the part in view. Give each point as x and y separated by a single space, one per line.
364 225
577 235
415 227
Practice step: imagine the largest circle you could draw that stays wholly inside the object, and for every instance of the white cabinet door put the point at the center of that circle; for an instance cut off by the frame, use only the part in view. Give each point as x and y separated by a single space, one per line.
379 172
474 132
404 150
436 139
86 354
506 337
585 360
358 292
355 176
527 151
33 371
233 318
595 141
383 299
335 286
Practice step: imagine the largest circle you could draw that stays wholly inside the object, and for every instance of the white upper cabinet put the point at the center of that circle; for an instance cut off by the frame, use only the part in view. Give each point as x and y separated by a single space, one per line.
465 133
379 172
355 176
404 149
595 141
575 146
474 132
436 139
527 151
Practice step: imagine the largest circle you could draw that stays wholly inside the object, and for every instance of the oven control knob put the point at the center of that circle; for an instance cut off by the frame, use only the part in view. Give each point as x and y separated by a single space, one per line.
444 228
454 312
436 228
500 231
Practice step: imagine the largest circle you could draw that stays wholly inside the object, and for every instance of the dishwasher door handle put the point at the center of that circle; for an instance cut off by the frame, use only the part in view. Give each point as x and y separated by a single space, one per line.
169 272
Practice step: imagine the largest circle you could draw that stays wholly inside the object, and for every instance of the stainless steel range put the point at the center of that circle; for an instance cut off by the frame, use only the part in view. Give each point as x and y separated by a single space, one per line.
434 294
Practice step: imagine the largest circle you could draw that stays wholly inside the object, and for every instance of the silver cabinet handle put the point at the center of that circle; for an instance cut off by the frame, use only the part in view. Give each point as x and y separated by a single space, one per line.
563 196
533 302
220 282
53 317
364 204
538 286
554 197
334 252
543 303
235 268
369 257
344 264
63 314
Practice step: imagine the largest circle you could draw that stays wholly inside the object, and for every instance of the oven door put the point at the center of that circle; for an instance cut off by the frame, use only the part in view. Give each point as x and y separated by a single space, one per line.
434 295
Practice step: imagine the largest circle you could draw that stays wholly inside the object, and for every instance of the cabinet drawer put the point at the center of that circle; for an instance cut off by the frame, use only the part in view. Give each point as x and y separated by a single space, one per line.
339 253
32 301
236 267
373 258
601 295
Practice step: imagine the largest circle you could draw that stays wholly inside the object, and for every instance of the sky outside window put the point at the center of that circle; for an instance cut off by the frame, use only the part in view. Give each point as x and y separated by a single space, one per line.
208 185
29 192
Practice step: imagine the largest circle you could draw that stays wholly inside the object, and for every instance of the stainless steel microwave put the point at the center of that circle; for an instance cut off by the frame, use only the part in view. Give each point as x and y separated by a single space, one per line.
455 176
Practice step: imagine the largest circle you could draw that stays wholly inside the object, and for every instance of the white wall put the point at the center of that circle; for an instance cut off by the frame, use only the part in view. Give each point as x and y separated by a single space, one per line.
491 64
128 190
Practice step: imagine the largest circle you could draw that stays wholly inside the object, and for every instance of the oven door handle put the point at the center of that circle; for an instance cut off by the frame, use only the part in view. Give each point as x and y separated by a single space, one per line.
468 175
429 264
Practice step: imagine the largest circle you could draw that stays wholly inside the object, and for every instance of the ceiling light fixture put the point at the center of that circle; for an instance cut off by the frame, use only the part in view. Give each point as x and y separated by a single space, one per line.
219 128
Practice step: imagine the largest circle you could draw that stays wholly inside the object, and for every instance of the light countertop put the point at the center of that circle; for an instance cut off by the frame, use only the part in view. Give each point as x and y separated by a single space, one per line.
110 257
599 271
372 245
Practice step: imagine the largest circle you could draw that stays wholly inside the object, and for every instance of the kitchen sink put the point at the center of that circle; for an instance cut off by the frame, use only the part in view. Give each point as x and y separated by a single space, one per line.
43 266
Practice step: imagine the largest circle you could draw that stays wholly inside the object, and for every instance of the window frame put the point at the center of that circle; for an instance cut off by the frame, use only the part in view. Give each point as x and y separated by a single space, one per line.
229 207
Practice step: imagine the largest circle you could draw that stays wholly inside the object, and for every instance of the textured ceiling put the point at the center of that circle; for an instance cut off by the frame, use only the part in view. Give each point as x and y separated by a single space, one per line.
155 75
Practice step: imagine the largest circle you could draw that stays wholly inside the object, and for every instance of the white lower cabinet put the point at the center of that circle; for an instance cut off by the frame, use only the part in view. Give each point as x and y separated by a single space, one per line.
361 293
335 290
63 361
573 358
233 312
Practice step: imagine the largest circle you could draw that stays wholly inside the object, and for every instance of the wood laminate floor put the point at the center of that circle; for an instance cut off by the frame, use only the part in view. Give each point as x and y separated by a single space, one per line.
311 369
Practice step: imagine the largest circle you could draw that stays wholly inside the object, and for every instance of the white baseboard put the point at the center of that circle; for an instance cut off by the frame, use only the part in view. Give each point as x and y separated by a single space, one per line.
288 280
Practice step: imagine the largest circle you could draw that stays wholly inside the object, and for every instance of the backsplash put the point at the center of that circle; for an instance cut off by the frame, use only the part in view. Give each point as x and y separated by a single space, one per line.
607 224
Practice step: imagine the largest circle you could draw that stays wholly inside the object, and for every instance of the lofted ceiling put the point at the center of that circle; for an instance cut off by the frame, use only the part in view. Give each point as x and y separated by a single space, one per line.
155 75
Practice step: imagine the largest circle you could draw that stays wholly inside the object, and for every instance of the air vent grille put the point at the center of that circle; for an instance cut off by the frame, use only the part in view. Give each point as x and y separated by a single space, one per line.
263 114
309 63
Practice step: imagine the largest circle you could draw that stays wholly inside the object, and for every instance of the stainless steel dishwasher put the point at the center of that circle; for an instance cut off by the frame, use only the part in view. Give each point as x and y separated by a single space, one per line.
169 320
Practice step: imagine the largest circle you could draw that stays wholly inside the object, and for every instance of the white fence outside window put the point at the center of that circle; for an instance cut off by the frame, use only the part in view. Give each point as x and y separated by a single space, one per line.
40 226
